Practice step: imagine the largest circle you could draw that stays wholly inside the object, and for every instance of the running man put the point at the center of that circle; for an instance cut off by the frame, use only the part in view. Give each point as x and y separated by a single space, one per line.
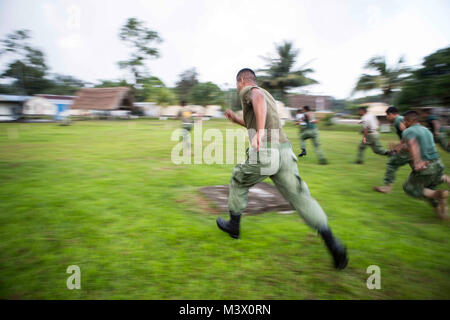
427 168
370 135
261 119
434 125
311 132
399 157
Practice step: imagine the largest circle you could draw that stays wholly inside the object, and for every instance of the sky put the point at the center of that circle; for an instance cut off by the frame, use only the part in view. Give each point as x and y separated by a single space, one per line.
218 38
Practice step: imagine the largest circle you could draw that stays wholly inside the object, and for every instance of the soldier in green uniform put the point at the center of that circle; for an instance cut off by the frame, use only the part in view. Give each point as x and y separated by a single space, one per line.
370 135
271 155
427 168
311 132
399 157
439 134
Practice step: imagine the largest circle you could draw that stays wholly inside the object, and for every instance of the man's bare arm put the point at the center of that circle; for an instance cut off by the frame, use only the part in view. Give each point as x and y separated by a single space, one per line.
260 110
259 107
234 118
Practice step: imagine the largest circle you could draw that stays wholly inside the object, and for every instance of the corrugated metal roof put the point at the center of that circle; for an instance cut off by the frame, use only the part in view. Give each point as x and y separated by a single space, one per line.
13 98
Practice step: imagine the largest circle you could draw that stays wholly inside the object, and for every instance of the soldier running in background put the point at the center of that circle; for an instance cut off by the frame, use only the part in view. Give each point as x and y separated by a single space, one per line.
434 125
370 135
311 132
399 157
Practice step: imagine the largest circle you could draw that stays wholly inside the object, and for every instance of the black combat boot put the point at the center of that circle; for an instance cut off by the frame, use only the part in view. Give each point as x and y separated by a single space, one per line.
337 250
232 226
303 153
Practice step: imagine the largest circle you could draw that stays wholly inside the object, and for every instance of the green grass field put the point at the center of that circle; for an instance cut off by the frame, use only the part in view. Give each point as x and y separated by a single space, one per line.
104 195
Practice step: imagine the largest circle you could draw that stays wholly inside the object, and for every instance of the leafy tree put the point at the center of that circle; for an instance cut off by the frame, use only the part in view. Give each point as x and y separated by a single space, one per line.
141 39
205 93
113 83
188 79
428 85
387 79
279 76
153 89
28 69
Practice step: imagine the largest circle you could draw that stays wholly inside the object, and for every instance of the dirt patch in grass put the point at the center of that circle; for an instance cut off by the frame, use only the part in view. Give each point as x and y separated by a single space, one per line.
198 203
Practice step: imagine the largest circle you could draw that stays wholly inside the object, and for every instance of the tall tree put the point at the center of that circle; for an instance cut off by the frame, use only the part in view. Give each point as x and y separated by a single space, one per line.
188 79
279 76
428 85
141 40
28 68
387 79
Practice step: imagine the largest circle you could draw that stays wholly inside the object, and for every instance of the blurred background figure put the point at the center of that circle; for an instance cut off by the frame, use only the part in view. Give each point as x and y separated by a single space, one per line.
187 122
311 132
370 138
399 157
434 125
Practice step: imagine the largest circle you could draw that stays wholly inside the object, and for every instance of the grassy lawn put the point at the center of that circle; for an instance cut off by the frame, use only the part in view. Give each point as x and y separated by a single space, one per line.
104 195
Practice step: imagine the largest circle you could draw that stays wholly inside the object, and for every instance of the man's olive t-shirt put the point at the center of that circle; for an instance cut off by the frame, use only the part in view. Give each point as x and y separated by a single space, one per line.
274 132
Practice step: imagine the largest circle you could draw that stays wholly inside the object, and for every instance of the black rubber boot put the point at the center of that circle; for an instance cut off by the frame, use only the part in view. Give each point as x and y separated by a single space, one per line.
303 153
337 250
232 226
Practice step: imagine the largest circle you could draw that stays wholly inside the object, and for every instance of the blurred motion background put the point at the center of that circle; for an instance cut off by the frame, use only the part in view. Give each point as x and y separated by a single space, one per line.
91 93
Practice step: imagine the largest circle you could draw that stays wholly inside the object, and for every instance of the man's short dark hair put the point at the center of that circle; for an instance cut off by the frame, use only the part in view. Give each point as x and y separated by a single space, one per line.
306 108
411 115
363 109
246 74
392 110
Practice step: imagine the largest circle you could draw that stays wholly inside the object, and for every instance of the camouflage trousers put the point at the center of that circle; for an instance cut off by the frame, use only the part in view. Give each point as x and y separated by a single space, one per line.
280 164
372 141
429 178
441 139
395 161
312 134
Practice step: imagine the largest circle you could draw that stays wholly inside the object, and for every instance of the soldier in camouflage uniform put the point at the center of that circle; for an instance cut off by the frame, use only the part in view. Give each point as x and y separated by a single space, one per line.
399 157
311 132
427 168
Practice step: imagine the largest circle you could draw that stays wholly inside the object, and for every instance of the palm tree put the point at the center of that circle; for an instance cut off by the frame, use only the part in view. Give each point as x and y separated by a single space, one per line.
278 77
386 79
